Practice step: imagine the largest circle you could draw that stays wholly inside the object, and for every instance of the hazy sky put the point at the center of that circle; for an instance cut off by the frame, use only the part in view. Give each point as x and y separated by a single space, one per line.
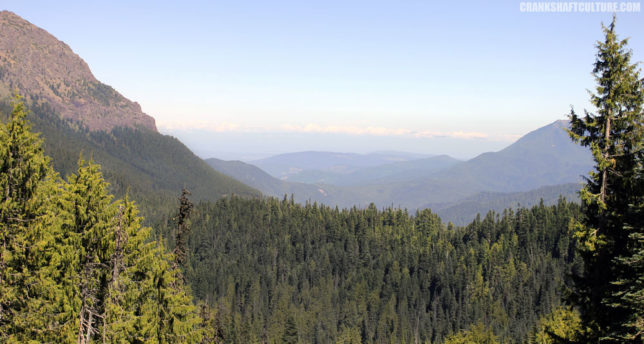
262 77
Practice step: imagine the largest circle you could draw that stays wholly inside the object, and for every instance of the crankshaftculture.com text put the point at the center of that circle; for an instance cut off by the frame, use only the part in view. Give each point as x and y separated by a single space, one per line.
579 6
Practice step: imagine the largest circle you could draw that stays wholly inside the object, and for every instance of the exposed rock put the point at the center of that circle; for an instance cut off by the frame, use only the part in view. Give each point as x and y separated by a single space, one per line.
45 69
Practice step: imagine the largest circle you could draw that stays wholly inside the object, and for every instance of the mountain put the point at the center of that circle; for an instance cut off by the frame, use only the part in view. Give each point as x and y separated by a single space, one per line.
284 166
267 184
522 173
545 156
76 114
542 157
465 210
387 173
47 71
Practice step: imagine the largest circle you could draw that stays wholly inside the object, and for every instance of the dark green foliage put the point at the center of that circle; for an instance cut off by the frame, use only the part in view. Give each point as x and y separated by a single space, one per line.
610 290
183 229
290 331
384 274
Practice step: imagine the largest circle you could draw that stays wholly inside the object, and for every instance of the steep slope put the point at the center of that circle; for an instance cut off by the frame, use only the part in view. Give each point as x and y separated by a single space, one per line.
103 126
47 71
267 184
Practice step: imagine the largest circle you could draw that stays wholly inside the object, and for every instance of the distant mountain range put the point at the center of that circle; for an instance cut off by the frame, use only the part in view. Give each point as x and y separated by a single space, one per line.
78 114
544 164
290 165
404 170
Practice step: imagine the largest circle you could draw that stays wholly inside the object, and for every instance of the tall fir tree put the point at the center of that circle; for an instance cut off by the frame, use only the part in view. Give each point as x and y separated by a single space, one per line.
127 275
289 336
609 290
87 228
183 230
31 301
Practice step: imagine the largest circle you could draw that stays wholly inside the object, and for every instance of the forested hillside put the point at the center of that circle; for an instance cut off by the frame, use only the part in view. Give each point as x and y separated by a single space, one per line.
152 166
374 276
76 266
270 186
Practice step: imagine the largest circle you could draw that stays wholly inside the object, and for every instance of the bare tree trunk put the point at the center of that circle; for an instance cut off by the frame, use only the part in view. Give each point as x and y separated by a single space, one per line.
602 191
89 327
81 339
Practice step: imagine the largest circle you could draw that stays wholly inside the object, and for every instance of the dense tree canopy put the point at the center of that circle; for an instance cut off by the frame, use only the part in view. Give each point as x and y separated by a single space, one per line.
373 276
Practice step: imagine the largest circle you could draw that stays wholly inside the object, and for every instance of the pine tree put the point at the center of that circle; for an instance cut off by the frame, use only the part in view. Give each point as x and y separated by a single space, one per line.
609 291
183 229
169 314
289 336
126 276
31 302
87 228
562 325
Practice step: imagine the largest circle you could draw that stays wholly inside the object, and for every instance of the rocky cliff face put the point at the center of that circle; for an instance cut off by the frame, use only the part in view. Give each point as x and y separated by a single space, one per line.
44 69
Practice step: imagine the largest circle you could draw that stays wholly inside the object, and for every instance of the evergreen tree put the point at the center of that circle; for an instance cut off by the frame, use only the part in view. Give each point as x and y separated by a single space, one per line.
562 325
127 276
76 267
87 229
290 331
30 299
478 334
609 290
183 229
170 316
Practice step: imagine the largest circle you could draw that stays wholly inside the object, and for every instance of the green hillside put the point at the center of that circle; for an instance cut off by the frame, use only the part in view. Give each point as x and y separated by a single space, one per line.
267 184
153 167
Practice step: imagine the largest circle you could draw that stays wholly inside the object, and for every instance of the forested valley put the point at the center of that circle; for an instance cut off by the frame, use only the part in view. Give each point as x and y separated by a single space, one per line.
262 270
216 262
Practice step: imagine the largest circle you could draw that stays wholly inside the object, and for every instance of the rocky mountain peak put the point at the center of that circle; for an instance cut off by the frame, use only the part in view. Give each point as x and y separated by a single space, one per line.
46 70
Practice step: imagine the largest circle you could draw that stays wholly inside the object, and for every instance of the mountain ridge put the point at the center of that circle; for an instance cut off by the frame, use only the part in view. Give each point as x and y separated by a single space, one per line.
545 156
47 71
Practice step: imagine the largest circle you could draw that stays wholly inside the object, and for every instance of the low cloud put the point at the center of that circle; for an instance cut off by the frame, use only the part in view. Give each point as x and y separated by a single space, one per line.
329 129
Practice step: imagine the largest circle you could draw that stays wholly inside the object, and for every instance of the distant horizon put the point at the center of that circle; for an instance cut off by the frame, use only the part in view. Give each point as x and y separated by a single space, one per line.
255 152
268 78
191 138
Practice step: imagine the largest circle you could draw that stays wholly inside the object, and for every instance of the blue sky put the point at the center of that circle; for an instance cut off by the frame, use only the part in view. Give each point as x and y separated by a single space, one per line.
248 78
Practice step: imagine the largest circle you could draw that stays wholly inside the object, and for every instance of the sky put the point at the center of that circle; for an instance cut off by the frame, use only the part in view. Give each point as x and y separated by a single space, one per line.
247 79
